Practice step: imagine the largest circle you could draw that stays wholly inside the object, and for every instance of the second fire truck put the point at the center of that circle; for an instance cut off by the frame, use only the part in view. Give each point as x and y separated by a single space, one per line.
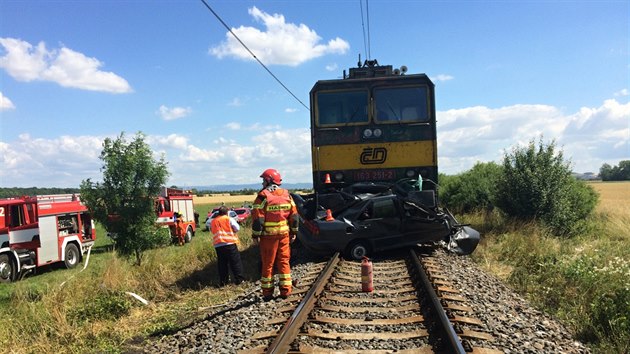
173 201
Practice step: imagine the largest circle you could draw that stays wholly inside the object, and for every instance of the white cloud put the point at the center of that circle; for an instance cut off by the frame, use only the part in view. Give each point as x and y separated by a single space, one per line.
65 67
173 113
281 43
5 103
623 92
290 110
233 126
332 67
589 138
442 78
173 141
236 102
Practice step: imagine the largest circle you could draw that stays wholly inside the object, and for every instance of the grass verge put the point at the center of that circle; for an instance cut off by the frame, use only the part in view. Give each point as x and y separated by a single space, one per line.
584 281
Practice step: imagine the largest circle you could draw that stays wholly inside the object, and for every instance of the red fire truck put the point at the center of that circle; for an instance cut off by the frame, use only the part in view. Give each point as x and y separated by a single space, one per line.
36 231
173 201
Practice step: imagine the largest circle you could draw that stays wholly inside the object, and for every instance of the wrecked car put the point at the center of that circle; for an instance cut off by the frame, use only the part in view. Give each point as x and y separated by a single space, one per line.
366 218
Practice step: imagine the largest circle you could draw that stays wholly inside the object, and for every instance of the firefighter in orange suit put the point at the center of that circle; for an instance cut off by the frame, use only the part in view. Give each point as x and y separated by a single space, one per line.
274 226
180 228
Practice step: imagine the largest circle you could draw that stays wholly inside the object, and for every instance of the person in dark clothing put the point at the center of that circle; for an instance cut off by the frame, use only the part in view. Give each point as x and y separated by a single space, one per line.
225 240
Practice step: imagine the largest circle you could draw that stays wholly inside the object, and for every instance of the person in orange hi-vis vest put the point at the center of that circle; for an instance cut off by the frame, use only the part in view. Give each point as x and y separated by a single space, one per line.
225 241
180 228
274 227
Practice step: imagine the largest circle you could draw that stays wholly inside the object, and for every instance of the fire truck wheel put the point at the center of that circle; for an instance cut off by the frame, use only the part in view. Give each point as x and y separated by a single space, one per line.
7 267
188 236
72 256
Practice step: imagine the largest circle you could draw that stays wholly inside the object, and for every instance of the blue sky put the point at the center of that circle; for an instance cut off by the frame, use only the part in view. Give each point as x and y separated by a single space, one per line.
75 72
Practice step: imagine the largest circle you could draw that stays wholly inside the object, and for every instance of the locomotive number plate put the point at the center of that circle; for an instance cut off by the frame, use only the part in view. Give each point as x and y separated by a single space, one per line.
371 175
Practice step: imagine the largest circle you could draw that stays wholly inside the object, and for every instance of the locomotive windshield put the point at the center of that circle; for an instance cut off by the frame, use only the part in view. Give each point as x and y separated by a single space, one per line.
397 105
406 104
342 107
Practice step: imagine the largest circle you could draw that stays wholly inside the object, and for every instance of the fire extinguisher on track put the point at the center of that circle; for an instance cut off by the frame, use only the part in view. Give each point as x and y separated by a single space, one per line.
366 275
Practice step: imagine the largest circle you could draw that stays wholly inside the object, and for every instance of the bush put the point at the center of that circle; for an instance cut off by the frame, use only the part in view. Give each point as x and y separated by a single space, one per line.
473 190
536 183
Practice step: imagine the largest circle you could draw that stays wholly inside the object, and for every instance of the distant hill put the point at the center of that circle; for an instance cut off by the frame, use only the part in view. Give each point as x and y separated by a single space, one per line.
240 187
586 176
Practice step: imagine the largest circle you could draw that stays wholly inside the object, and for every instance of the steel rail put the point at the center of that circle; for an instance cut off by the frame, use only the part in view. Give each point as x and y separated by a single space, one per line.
282 342
453 341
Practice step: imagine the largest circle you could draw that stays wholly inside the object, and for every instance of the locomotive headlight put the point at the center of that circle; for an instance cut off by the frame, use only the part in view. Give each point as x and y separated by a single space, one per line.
367 133
378 132
338 176
410 173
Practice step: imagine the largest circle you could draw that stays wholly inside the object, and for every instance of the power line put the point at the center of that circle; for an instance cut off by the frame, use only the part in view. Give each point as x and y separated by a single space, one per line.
367 46
367 11
363 28
253 55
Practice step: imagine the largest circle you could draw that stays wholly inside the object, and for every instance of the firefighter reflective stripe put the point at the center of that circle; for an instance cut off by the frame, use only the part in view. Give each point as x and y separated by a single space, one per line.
222 231
279 207
276 228
261 205
284 279
266 283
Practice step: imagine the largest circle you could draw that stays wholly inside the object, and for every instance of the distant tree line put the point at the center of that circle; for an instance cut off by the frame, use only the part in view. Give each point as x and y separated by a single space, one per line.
246 191
33 191
615 173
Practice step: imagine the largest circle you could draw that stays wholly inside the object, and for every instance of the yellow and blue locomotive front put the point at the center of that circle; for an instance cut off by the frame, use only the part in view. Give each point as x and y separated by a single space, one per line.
374 126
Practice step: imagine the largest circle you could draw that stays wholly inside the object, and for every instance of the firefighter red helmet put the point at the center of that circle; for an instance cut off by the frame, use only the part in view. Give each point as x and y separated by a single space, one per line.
271 176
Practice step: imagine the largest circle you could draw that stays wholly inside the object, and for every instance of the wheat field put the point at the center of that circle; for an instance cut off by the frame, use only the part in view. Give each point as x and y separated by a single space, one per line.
229 200
614 197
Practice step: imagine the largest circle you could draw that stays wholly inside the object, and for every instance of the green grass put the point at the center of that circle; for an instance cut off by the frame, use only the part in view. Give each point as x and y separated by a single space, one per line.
92 311
584 281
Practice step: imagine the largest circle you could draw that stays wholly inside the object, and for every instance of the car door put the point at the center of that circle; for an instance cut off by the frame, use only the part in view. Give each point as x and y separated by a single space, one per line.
380 223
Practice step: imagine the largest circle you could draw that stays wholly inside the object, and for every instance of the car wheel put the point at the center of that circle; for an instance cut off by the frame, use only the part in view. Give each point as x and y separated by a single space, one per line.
72 256
188 236
7 269
357 250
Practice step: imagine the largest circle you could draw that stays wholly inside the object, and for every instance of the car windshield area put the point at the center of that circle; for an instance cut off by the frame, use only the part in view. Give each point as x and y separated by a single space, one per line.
379 209
401 105
342 107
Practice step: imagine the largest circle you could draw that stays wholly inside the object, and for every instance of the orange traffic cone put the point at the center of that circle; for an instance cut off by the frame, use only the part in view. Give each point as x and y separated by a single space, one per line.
327 179
329 216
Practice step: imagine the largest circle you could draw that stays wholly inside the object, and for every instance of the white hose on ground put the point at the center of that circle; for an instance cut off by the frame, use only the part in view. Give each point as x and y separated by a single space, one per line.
87 260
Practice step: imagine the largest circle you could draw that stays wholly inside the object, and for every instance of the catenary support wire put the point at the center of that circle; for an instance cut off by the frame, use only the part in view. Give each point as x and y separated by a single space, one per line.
253 55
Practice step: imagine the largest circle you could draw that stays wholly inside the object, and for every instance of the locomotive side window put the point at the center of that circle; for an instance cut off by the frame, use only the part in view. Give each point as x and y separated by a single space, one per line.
407 104
342 108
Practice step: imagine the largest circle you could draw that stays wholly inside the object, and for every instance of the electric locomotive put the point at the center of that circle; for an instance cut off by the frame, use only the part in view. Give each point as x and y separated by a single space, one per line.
375 125
375 170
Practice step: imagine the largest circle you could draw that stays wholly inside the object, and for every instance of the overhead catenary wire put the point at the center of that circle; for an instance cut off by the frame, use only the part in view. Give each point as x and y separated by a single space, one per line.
363 28
366 39
253 55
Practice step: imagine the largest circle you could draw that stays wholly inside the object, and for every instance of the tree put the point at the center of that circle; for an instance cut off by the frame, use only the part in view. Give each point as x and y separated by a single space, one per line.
536 183
123 202
471 190
615 173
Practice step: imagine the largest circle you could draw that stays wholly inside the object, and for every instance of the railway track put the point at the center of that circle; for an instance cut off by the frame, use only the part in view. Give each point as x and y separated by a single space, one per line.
412 309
